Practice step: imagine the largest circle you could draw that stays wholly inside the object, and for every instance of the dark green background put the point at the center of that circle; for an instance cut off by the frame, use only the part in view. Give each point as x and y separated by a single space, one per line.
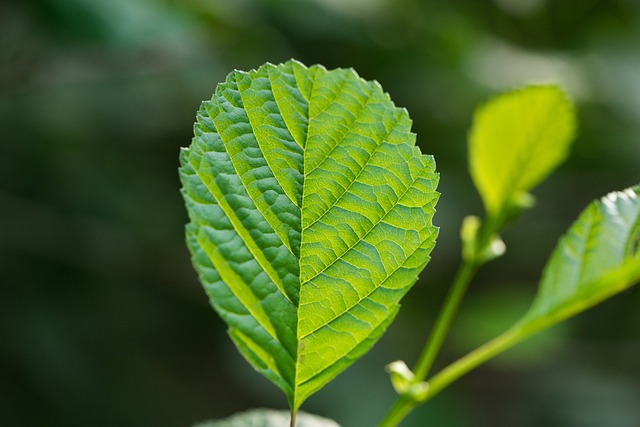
102 321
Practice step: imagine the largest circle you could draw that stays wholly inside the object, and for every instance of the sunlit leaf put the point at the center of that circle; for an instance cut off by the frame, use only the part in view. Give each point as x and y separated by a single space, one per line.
516 141
596 259
310 209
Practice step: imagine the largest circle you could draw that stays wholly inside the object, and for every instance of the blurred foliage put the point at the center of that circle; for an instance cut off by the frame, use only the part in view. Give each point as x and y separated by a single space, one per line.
102 321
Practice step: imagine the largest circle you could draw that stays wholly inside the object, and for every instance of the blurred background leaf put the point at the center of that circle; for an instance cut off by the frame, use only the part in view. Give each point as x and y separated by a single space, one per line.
102 320
269 418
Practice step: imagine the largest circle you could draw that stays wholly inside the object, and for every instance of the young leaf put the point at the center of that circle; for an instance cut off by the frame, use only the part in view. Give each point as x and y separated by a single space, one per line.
597 258
516 141
269 418
310 210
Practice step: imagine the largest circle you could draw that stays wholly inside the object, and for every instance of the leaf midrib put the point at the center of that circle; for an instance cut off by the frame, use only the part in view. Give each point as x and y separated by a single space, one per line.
296 370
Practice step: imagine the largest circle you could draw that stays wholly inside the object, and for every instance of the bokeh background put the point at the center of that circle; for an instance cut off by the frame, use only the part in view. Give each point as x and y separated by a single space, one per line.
102 320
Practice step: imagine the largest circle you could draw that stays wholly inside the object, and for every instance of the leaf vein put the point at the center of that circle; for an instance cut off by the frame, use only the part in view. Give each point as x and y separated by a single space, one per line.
370 229
355 179
253 307
375 288
275 98
243 233
349 129
259 146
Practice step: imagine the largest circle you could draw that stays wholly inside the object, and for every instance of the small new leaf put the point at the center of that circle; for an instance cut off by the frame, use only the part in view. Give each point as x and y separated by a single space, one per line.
311 216
400 375
404 382
516 141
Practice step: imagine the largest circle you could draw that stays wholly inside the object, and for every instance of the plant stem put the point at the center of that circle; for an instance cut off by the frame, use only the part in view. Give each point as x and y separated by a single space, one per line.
445 318
402 405
477 357
449 309
442 379
524 330
463 277
398 412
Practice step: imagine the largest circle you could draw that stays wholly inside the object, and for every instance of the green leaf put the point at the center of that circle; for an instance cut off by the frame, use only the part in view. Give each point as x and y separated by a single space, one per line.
598 257
516 141
311 216
269 418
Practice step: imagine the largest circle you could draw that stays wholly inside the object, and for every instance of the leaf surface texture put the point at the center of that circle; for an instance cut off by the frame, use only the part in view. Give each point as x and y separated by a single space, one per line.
310 216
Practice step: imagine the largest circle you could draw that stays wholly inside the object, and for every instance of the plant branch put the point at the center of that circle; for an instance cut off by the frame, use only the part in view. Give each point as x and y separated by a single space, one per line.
464 275
474 359
403 406
445 319
468 267
398 412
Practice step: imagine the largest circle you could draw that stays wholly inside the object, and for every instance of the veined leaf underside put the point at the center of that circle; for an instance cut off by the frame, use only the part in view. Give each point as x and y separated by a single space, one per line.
310 216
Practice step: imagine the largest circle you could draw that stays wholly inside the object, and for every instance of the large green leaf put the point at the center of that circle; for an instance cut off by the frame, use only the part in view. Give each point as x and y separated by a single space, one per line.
269 418
516 140
310 209
597 258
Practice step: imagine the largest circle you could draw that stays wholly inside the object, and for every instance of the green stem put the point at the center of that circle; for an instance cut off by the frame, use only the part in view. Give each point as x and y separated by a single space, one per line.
445 318
403 406
620 280
398 412
458 289
474 359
